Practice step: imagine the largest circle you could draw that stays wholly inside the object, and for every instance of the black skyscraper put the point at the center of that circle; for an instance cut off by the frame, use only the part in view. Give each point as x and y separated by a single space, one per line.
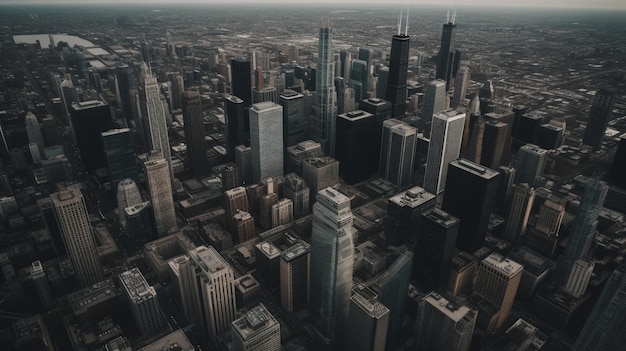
381 109
617 176
598 118
242 81
124 79
194 133
445 58
396 81
470 195
354 147
237 124
89 119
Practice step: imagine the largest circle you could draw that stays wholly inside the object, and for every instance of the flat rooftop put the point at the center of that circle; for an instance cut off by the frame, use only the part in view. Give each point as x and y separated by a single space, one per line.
442 218
255 321
474 168
136 285
413 197
355 115
450 309
174 341
502 264
208 259
88 297
297 250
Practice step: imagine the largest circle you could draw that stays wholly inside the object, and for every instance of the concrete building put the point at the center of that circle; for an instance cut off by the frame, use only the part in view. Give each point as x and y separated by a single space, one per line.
127 195
295 277
404 213
142 301
397 153
257 330
434 100
368 321
320 173
444 147
266 140
531 160
282 212
160 190
518 212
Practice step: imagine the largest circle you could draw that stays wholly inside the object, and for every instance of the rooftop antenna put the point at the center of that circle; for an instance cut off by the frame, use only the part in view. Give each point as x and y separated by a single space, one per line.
448 16
400 22
454 13
406 29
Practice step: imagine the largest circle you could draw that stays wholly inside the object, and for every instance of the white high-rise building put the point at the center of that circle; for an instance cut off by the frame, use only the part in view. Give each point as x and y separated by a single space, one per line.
444 147
127 195
155 111
579 277
257 330
73 219
33 131
332 264
266 140
397 152
434 100
160 189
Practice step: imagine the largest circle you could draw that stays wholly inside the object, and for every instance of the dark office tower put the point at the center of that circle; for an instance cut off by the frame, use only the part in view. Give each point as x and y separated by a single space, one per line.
33 131
476 135
368 321
194 133
38 275
88 120
354 147
47 212
95 81
241 85
141 301
583 232
295 276
470 195
518 212
332 260
31 334
598 118
231 177
444 147
531 161
518 112
243 160
146 49
358 79
120 155
617 175
434 249
124 80
443 324
507 176
295 122
604 329
365 54
486 94
461 82
392 287
528 127
445 57
404 214
399 142
434 100
381 84
265 210
398 66
139 221
549 136
71 214
494 142
237 124
325 105
381 109
497 281
345 60
297 191
51 131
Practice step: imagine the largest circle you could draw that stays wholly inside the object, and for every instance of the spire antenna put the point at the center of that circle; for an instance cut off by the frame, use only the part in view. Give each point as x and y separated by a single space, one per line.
448 16
400 22
454 13
406 29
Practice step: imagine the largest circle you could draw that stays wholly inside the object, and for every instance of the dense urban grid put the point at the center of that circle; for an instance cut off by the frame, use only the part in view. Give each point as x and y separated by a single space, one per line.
310 178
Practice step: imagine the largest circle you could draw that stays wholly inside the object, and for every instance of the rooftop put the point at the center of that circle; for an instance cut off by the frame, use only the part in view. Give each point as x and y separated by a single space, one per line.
297 250
474 168
449 308
412 197
174 341
90 296
115 131
268 249
263 106
136 285
83 105
355 115
503 264
366 300
442 218
209 259
255 321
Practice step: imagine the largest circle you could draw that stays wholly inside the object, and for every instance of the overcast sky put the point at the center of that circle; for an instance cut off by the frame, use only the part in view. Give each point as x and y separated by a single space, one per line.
616 4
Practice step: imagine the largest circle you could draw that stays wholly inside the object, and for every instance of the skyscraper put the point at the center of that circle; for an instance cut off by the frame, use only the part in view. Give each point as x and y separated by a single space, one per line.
494 144
282 212
617 175
531 161
497 280
236 200
434 100
237 124
444 147
359 79
404 214
446 56
120 155
71 215
470 195
434 249
141 299
154 111
127 195
160 190
399 142
194 133
603 329
295 124
583 230
381 109
354 148
33 131
332 259
241 85
296 189
124 77
461 83
257 330
598 118
320 173
38 275
295 272
369 321
266 140
518 212
88 119
443 324
325 105
398 66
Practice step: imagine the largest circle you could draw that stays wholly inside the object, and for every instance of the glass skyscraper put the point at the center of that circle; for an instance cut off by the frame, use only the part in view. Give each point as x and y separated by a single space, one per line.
325 105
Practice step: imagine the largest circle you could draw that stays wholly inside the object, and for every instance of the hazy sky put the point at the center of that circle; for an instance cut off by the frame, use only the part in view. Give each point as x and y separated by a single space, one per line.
617 4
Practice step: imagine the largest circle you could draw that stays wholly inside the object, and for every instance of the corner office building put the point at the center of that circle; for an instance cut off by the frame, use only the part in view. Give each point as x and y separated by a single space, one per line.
142 301
257 330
